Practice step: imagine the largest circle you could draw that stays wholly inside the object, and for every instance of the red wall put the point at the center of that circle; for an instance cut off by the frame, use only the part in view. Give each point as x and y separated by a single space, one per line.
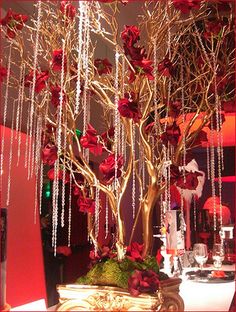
25 270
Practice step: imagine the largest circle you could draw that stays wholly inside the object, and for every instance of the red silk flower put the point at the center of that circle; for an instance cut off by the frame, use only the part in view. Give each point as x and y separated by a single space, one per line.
190 181
86 204
143 282
56 93
40 82
107 168
143 67
129 108
108 135
171 135
3 73
166 68
57 56
51 175
64 250
13 21
103 66
174 108
49 154
134 252
90 140
213 28
130 35
102 254
135 53
68 9
185 6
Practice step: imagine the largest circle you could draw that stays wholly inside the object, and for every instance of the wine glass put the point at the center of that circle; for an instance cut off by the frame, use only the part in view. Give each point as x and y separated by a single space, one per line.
200 254
218 255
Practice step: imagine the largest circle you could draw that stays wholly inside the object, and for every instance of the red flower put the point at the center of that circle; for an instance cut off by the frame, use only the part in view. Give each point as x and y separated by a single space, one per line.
213 126
135 53
3 73
185 6
68 9
159 256
49 154
171 135
190 181
57 56
130 35
51 175
108 135
142 67
90 140
129 108
213 28
201 137
174 108
166 68
224 5
56 93
149 127
143 282
40 82
103 66
86 204
64 250
107 168
134 252
13 21
104 253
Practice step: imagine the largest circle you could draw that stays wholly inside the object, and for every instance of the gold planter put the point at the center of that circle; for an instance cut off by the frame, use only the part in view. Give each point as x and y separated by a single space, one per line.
105 298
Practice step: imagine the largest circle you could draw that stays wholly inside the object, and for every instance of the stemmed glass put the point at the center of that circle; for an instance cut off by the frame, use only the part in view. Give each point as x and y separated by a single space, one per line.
218 255
200 254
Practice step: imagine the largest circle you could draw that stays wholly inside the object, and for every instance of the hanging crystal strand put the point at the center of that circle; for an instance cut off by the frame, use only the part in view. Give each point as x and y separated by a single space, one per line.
63 193
97 212
27 139
212 168
19 123
40 186
208 161
70 210
10 155
117 117
133 171
194 214
183 115
182 212
123 132
218 131
168 179
79 51
32 106
37 167
33 149
106 218
162 210
5 110
19 101
55 206
155 83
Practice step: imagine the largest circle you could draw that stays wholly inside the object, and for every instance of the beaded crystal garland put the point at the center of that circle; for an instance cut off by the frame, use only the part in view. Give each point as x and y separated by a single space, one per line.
114 129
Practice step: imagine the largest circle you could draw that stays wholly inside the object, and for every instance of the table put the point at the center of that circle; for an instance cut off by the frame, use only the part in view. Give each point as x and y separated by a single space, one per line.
208 297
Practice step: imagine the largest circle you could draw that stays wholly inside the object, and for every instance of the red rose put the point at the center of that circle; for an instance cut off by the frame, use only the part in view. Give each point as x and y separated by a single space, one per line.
108 135
86 205
130 35
129 108
68 9
213 28
185 6
166 68
3 73
57 60
40 82
102 254
190 181
13 21
64 250
174 108
56 93
134 252
159 256
171 135
90 140
107 168
135 53
103 66
50 175
49 154
142 67
149 127
143 282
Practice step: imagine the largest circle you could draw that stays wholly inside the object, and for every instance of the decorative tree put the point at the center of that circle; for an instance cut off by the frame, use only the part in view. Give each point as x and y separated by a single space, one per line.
168 80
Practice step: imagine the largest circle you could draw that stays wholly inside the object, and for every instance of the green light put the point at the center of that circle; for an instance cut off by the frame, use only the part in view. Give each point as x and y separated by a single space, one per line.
47 190
78 132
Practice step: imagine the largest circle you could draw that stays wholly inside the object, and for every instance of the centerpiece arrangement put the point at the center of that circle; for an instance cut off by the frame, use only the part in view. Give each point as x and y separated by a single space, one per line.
137 115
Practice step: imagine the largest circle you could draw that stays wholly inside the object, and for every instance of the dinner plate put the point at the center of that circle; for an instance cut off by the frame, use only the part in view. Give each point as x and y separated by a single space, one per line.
208 276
